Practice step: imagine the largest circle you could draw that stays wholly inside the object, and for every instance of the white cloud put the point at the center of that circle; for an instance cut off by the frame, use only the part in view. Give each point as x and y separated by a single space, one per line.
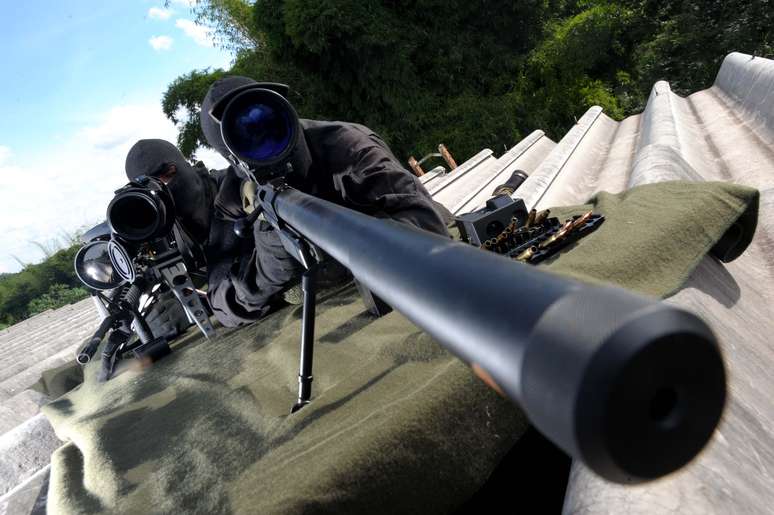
200 34
70 185
123 125
186 3
159 13
160 42
5 154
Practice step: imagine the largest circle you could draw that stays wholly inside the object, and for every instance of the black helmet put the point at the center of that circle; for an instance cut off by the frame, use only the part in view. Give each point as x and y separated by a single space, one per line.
189 186
151 156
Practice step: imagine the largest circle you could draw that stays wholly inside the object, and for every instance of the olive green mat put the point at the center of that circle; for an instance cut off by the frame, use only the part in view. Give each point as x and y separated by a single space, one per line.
655 235
396 423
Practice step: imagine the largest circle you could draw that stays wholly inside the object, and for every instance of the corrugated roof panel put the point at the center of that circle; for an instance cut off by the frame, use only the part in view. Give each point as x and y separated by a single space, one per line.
723 133
538 184
440 182
525 156
467 184
45 341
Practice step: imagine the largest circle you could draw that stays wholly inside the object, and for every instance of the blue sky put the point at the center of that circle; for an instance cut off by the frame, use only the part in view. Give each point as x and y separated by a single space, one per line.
83 81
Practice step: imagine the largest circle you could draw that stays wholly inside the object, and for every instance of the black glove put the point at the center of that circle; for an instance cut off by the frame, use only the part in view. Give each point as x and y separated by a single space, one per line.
167 317
275 268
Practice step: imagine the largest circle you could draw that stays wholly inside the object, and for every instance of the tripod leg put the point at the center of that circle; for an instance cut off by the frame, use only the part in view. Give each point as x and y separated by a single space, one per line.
307 339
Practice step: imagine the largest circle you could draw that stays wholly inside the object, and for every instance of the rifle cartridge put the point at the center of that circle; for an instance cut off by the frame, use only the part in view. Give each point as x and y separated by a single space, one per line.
541 216
530 218
528 253
581 220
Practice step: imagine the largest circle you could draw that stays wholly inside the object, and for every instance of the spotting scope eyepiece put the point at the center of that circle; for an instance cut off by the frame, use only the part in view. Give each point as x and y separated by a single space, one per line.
142 210
94 267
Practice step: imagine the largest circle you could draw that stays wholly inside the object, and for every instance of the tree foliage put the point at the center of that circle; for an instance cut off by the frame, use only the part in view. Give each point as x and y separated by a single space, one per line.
181 104
58 295
46 285
394 66
471 74
687 41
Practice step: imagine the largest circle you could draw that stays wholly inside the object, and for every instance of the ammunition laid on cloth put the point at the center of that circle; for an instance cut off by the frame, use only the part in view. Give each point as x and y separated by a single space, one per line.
530 237
527 254
530 218
541 216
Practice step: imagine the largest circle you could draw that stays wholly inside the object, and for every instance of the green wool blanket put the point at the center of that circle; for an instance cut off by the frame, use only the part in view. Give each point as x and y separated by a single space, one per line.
396 423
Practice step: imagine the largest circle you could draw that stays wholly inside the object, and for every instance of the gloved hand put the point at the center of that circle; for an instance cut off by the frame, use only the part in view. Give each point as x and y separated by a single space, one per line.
275 268
167 317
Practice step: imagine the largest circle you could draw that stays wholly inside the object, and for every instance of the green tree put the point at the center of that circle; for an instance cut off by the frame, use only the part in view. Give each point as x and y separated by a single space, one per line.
231 21
471 74
686 41
582 61
18 290
185 95
58 295
399 67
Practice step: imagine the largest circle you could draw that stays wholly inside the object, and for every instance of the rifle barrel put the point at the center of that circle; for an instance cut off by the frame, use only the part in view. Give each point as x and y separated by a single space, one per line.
631 386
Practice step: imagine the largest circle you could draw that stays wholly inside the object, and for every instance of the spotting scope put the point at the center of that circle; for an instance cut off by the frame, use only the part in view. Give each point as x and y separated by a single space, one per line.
138 253
260 129
142 210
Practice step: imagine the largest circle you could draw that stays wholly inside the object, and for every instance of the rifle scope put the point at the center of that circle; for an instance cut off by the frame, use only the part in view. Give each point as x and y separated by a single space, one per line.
142 210
631 386
259 127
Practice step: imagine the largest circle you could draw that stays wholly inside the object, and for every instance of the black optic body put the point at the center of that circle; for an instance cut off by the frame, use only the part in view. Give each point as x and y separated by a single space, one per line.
141 210
260 128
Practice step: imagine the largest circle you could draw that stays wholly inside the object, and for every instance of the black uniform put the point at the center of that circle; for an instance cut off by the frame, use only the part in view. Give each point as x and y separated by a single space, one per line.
350 166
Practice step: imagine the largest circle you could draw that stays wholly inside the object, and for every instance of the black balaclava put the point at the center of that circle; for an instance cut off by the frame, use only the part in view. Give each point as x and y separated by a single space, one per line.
191 190
220 90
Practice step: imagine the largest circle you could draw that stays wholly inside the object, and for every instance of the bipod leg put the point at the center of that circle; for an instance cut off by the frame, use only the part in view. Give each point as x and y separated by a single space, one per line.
117 338
309 287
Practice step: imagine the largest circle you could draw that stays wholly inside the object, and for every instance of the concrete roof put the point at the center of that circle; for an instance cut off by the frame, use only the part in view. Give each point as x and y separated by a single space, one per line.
42 342
722 133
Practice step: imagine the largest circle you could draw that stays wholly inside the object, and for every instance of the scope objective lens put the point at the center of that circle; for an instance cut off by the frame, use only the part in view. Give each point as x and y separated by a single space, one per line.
259 127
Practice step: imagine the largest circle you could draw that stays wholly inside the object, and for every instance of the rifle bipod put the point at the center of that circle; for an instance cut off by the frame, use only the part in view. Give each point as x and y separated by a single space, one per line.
309 288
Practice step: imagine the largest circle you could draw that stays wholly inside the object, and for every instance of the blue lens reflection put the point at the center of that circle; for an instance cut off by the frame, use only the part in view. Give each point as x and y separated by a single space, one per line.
259 131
